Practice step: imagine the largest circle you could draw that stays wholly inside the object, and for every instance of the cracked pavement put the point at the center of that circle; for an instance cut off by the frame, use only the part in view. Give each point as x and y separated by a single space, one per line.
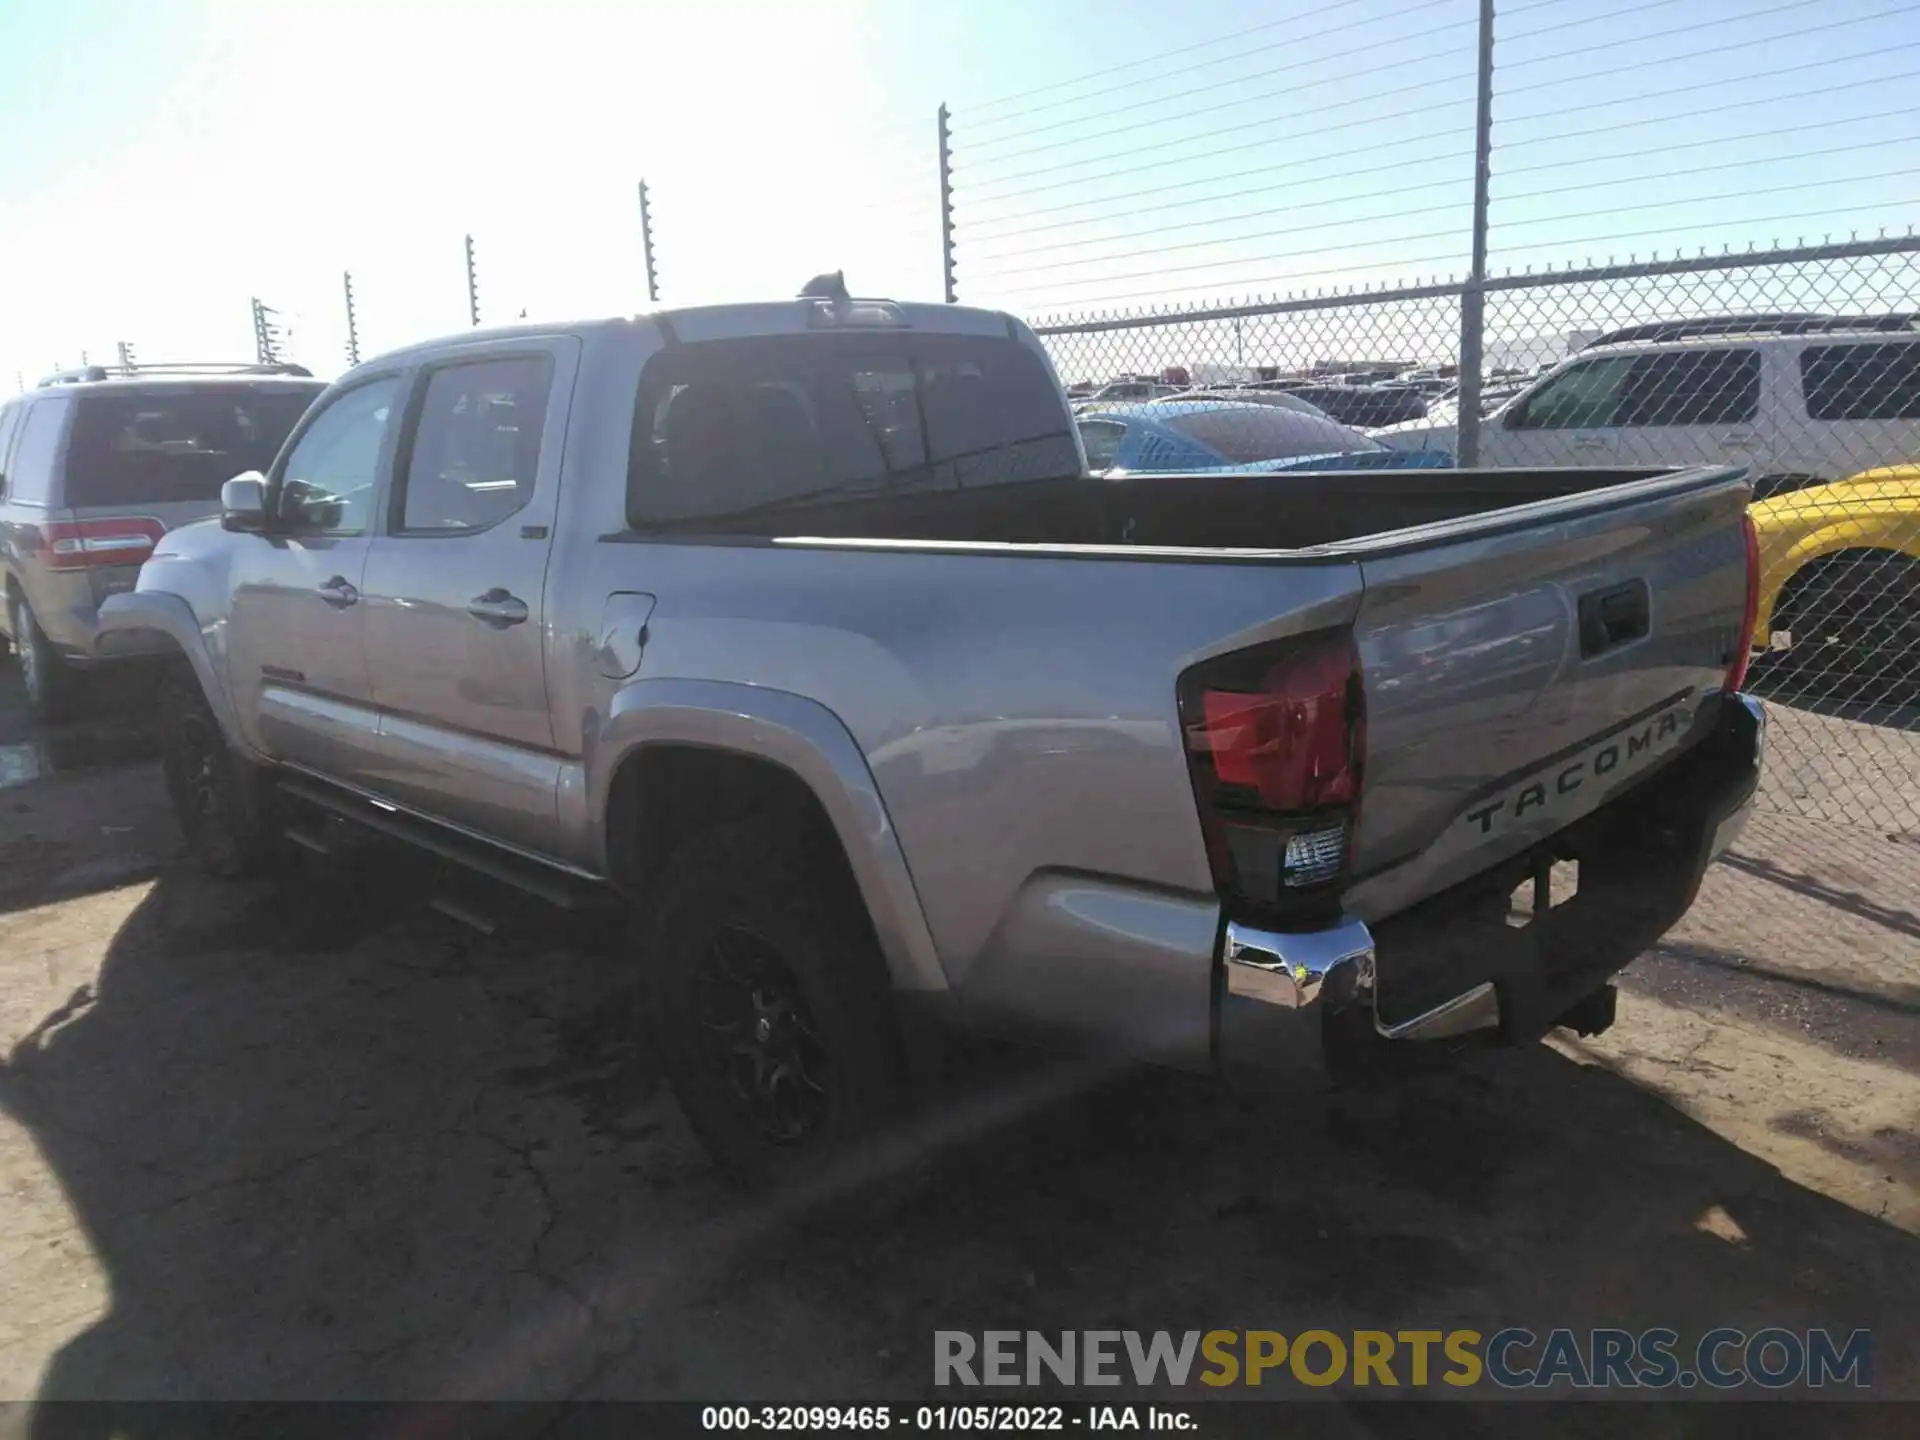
307 1138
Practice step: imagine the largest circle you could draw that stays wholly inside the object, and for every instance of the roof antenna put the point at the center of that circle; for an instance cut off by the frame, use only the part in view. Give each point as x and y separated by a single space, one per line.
831 285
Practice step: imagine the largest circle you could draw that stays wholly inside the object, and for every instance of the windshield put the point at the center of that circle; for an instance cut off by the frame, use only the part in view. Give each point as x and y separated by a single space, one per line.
155 446
1266 432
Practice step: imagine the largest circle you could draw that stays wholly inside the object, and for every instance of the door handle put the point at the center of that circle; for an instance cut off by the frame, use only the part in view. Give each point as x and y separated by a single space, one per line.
1739 439
338 593
498 608
1614 616
1588 442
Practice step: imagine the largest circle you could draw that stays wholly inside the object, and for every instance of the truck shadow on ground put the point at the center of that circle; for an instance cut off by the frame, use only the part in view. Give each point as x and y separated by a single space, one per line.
325 1144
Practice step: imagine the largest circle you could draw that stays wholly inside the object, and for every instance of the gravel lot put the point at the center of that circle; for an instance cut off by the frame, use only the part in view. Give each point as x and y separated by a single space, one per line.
310 1139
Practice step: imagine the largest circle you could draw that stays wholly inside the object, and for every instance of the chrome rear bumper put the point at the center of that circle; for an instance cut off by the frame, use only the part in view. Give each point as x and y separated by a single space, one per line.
1280 987
1293 971
1278 990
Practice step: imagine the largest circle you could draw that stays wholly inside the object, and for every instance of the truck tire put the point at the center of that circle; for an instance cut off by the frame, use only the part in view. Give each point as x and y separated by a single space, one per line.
767 1003
224 804
48 679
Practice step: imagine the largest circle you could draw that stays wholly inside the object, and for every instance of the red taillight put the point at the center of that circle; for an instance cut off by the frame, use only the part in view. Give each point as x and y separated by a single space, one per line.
1743 642
83 544
1291 741
1275 738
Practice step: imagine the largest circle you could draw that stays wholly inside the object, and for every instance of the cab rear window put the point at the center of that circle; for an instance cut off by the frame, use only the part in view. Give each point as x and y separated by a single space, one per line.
155 446
728 432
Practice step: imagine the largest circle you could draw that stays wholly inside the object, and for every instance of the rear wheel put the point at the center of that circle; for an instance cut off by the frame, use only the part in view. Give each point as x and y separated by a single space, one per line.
223 803
1854 619
48 679
768 1003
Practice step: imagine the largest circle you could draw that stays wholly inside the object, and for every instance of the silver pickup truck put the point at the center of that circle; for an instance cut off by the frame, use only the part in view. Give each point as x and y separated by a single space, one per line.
800 630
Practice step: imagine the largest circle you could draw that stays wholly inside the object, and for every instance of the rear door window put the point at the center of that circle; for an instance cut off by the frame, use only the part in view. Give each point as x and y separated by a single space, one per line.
728 428
1861 382
476 446
133 447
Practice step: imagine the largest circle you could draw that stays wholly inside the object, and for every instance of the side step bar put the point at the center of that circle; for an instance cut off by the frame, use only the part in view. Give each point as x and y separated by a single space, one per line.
555 886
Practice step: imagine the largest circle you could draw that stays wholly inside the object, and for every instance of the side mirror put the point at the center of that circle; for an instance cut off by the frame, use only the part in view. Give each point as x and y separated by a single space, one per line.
243 503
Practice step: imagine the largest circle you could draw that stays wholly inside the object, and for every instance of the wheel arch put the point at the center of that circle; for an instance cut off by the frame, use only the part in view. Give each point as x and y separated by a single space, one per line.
676 756
149 622
1818 560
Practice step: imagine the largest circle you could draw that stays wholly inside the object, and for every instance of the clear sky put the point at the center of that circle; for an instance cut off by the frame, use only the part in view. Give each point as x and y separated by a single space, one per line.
162 162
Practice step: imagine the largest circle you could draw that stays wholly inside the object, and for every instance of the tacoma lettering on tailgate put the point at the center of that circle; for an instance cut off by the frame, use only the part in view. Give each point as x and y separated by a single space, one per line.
1603 765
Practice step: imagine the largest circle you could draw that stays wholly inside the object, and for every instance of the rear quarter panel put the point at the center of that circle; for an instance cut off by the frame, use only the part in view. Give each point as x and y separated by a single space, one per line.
1017 713
1012 713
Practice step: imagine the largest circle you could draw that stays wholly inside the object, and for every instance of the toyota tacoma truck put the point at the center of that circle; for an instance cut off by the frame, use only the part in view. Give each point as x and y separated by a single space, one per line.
801 631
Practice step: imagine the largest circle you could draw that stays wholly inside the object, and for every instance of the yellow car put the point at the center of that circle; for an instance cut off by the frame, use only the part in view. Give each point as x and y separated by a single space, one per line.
1840 580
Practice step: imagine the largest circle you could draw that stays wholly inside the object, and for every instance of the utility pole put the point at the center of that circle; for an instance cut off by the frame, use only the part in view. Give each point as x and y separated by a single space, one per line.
127 366
946 209
473 286
646 246
1473 297
353 327
263 347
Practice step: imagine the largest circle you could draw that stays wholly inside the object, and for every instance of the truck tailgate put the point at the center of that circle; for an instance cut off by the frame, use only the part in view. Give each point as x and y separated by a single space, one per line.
1519 674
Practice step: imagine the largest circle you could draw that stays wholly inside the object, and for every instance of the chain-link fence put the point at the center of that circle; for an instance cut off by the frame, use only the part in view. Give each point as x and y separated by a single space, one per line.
1802 365
1482 137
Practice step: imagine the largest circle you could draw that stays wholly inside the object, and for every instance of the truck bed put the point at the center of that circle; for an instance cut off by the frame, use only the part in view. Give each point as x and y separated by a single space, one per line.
1467 614
1007 662
1290 511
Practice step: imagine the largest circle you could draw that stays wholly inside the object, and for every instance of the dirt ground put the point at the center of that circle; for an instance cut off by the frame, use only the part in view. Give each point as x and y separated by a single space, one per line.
307 1138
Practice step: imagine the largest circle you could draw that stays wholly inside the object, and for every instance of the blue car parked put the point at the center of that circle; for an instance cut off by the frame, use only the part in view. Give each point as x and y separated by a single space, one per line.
1229 435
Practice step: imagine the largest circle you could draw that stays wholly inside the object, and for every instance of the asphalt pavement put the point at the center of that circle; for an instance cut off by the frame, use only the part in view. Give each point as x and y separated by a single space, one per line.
304 1137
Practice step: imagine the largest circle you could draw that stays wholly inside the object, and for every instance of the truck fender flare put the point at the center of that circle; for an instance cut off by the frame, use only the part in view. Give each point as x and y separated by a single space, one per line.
156 611
806 738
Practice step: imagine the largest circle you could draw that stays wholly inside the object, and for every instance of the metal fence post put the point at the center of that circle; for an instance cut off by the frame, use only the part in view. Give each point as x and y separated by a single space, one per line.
646 245
946 208
1473 295
262 336
353 327
126 357
473 287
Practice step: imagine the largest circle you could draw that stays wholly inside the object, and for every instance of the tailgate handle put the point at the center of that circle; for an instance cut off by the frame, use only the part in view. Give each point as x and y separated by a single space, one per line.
1613 617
